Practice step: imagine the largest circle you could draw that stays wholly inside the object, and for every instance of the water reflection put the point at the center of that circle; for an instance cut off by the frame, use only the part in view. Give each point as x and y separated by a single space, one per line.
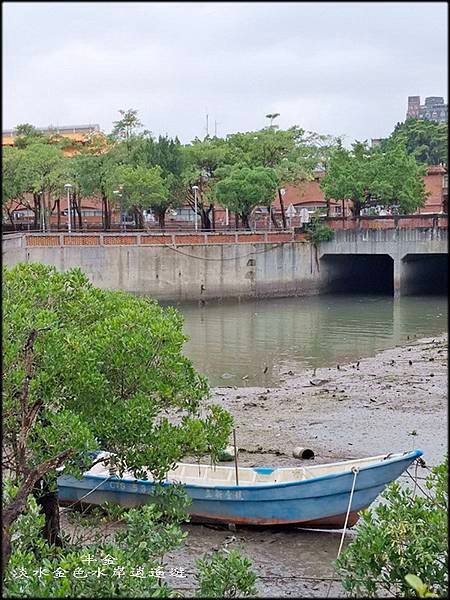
233 343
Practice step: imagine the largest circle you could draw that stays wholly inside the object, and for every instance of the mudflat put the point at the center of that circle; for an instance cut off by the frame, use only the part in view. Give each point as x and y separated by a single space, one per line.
394 401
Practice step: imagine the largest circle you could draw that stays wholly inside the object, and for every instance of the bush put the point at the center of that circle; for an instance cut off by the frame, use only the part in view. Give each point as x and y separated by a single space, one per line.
407 534
130 565
225 575
317 231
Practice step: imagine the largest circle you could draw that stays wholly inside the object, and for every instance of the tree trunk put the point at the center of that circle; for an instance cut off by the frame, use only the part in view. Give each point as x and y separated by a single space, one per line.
356 208
245 221
106 218
213 212
19 503
48 501
273 217
161 218
138 218
205 220
76 207
283 214
236 220
58 208
10 216
6 548
37 212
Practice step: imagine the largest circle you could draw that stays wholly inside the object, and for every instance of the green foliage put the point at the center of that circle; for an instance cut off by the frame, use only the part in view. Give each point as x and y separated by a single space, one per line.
426 141
37 168
293 153
12 184
369 176
125 128
317 231
129 562
405 534
141 187
26 134
244 188
225 575
108 371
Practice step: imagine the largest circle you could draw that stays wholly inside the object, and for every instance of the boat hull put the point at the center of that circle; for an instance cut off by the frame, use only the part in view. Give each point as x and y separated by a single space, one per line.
319 502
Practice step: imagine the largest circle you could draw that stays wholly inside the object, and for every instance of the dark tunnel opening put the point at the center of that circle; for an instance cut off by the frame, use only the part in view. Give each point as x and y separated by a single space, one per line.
424 274
358 273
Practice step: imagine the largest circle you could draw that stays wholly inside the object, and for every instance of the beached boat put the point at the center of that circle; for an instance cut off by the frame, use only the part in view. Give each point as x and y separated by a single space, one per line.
309 496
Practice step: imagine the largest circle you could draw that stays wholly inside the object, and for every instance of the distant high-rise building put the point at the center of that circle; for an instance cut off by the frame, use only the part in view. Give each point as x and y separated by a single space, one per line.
434 109
413 107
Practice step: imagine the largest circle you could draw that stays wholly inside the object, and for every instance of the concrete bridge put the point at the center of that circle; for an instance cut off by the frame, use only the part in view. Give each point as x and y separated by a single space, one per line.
397 261
202 266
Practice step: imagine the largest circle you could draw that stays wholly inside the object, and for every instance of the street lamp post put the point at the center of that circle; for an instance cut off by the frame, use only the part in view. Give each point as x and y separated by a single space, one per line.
42 209
283 214
119 194
195 188
68 186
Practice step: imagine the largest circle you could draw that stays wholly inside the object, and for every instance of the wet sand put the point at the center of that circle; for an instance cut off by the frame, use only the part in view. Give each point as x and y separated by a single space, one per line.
355 411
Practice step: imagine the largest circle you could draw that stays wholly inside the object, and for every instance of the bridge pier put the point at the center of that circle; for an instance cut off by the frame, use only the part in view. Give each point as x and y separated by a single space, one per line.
398 273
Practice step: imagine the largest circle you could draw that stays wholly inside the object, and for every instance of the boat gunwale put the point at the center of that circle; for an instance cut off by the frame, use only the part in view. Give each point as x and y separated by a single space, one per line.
411 455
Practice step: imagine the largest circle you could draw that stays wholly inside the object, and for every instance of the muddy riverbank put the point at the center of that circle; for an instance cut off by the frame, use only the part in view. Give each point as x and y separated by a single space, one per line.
392 402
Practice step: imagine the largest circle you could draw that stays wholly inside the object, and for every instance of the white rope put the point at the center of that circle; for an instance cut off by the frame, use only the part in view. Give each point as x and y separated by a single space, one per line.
355 471
86 495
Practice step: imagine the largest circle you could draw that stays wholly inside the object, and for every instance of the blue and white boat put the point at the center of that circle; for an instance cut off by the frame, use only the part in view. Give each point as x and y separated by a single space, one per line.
309 496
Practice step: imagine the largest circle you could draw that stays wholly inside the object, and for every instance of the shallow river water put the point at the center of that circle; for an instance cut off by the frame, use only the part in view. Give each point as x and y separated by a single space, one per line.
252 342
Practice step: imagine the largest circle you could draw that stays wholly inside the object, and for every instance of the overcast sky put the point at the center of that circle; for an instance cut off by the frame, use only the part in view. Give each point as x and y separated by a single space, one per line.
338 68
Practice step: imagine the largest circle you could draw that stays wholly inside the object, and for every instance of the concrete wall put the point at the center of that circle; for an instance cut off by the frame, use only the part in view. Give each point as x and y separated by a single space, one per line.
200 266
190 272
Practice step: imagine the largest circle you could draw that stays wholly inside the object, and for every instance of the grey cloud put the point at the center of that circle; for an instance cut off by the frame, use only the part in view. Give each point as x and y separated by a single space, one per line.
331 67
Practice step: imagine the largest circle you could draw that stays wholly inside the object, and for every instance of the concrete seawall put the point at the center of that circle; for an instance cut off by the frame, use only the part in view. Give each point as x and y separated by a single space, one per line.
187 272
186 267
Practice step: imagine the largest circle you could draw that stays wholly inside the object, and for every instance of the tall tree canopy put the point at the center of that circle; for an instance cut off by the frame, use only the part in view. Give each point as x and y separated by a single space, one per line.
141 188
243 188
292 153
125 128
35 176
85 369
202 159
426 141
369 177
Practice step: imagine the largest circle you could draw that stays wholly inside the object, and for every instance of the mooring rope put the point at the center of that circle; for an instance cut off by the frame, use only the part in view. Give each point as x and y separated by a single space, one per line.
355 471
86 495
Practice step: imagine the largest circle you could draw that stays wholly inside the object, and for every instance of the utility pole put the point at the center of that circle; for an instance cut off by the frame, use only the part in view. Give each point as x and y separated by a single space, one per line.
207 125
215 128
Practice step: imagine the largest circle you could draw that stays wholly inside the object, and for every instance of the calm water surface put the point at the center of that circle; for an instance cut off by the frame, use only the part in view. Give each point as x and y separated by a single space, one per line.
233 343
